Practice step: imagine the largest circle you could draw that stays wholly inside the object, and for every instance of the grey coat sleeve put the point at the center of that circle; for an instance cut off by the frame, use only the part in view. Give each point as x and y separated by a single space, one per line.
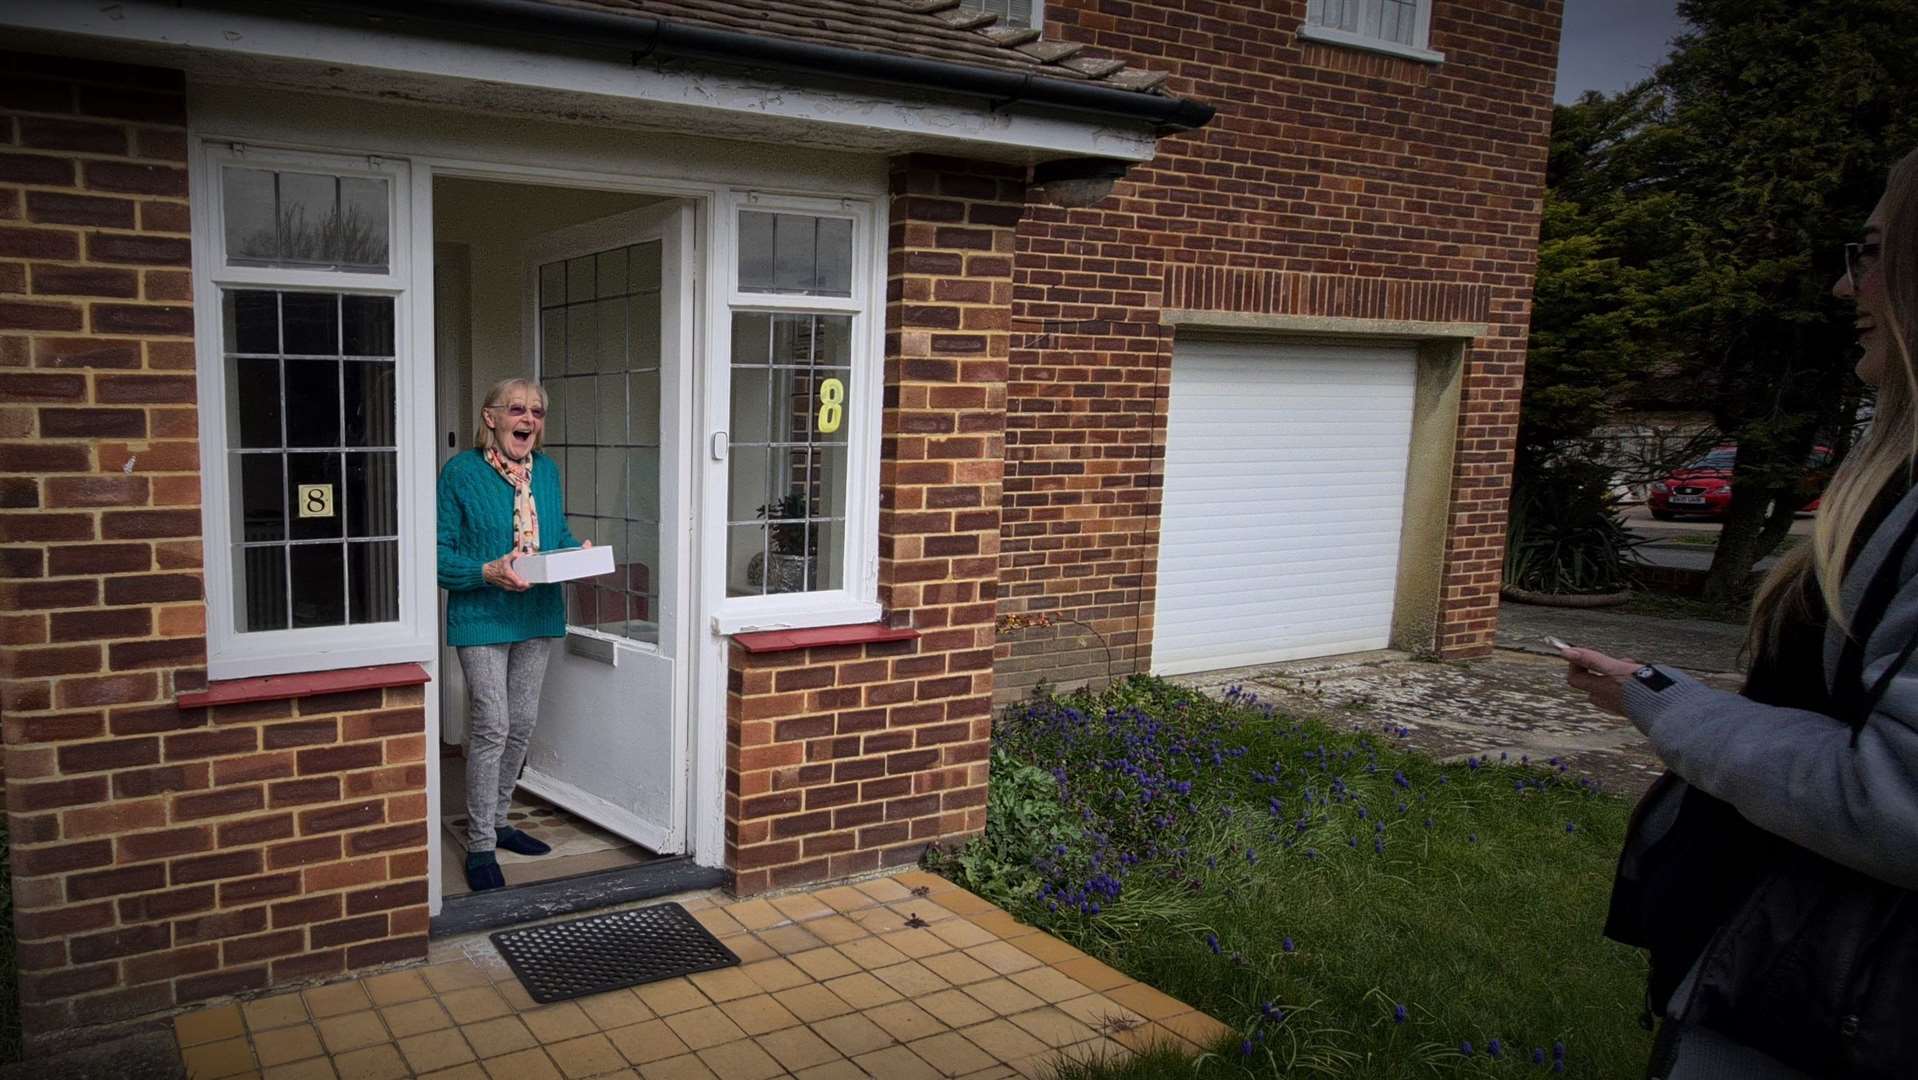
1797 773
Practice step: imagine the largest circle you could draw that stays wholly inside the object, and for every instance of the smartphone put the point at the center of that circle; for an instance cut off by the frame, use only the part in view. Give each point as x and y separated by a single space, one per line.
1555 643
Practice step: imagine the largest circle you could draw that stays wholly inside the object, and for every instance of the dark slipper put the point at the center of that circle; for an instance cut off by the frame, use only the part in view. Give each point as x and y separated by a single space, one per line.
482 872
519 843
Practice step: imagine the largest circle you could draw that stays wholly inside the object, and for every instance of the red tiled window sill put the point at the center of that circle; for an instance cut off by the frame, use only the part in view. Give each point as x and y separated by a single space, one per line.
304 684
770 641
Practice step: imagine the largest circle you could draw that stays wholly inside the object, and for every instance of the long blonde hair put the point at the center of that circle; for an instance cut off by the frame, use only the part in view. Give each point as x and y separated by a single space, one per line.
485 437
1888 449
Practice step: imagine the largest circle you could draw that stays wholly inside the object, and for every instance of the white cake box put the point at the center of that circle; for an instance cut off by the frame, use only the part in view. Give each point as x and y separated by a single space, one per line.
564 564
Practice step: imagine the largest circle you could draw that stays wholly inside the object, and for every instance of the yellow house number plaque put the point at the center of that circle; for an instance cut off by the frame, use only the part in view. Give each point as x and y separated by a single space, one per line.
316 500
832 405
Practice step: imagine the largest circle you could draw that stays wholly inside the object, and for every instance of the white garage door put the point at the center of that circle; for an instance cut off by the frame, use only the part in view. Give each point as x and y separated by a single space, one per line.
1284 493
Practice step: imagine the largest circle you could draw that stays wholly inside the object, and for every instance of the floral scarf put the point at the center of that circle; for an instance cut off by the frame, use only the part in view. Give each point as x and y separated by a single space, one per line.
525 514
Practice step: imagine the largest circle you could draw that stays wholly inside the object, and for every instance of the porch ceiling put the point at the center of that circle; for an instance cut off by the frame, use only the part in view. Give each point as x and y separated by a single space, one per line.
605 87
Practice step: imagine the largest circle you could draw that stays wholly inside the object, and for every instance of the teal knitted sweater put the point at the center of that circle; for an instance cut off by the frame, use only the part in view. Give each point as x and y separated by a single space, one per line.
476 527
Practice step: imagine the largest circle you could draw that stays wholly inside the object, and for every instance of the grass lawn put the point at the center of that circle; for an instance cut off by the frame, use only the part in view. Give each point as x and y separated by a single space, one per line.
1351 908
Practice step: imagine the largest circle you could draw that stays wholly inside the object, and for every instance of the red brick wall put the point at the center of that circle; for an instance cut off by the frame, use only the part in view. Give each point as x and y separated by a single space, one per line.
1332 182
160 855
847 759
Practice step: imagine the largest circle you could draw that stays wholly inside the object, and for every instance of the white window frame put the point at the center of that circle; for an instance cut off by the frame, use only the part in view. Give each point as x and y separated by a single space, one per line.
231 653
1038 14
1310 30
857 600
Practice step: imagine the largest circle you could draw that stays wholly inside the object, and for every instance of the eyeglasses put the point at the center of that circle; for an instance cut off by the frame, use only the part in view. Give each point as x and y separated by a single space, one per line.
1859 259
520 412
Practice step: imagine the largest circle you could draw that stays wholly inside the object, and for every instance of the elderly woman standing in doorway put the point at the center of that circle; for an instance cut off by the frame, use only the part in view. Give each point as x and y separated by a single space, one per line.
497 502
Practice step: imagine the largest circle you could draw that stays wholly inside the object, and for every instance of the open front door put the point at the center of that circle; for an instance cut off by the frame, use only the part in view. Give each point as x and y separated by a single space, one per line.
610 310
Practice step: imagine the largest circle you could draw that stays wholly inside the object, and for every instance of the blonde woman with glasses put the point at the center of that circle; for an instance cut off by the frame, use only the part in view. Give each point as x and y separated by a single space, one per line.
1771 872
497 502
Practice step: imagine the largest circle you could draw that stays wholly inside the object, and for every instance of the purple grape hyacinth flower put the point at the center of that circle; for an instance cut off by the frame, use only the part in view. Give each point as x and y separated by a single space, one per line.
1398 1014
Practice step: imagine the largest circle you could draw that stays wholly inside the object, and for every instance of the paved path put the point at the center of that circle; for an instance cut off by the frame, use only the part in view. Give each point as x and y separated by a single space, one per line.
1692 644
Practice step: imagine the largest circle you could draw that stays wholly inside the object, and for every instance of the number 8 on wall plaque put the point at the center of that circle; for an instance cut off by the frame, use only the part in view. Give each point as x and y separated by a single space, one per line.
316 500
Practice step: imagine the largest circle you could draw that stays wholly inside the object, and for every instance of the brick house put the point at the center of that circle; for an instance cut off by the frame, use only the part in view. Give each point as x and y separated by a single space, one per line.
893 348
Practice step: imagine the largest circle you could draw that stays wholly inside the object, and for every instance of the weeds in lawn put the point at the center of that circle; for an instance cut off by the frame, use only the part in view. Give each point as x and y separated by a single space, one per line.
1350 908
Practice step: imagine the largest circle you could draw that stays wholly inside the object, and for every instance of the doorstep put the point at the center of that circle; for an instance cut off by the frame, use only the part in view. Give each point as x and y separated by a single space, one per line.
838 981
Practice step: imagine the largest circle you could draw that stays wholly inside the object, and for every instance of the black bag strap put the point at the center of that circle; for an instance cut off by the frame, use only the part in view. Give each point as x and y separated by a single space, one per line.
1855 703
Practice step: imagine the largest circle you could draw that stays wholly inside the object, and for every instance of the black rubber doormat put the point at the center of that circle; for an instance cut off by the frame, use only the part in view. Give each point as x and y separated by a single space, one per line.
606 952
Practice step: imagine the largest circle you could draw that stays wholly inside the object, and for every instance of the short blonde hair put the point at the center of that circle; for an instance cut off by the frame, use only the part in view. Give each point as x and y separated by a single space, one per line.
484 436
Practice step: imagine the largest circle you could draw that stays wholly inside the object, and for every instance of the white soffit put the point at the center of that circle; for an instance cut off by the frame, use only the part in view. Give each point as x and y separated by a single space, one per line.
231 47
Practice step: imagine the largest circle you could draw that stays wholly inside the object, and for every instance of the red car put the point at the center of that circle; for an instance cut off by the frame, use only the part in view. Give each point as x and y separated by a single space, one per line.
1704 487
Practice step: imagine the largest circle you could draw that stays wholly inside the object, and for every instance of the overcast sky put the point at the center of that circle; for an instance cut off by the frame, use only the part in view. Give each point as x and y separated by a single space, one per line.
1610 44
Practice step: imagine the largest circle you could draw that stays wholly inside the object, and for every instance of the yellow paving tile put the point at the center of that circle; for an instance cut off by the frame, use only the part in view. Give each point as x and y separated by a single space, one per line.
209 1061
1001 925
1094 974
346 997
1002 997
415 1018
650 1041
1143 1037
1046 948
469 1071
884 890
559 1021
616 1009
798 1048
810 1003
1101 1013
318 1068
1052 1027
1003 1040
717 921
961 902
684 1067
961 933
785 940
352 1031
750 949
522 1065
516 995
916 943
862 991
500 1035
755 914
281 1045
896 1063
844 898
823 964
879 920
852 1034
724 984
833 1070
395 987
209 1025
957 968
670 996
588 1055
705 1027
835 929
911 979
1146 1001
870 952
997 1072
741 1060
775 974
950 1054
435 1050
382 1062
473 1004
915 880
276 1011
1196 1027
457 975
925 909
904 1021
759 1014
954 1009
801 906
1049 985
1002 957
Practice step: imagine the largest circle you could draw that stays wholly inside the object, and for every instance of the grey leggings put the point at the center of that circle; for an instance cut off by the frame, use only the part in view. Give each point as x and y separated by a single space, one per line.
502 682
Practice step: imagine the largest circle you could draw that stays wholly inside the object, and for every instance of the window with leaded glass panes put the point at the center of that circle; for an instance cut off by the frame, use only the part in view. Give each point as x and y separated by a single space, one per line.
1014 13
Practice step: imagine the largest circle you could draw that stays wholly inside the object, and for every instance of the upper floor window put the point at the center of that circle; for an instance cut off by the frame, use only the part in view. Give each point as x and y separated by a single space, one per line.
1019 14
1399 27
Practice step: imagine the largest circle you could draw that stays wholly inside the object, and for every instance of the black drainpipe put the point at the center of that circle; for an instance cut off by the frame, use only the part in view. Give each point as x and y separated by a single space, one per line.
644 36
